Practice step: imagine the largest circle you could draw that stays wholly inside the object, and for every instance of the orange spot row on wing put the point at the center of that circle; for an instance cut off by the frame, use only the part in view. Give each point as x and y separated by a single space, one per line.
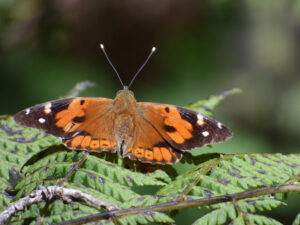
149 155
157 153
166 154
139 152
86 142
95 144
106 144
76 141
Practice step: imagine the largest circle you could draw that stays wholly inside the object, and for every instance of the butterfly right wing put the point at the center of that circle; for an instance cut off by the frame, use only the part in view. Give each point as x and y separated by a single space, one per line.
149 146
81 123
182 128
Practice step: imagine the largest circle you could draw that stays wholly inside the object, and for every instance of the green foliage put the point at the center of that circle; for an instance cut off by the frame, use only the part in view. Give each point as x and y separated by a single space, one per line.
30 159
297 220
233 174
206 106
97 177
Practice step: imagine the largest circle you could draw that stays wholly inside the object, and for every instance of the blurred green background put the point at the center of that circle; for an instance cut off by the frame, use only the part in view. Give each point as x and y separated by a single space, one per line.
203 48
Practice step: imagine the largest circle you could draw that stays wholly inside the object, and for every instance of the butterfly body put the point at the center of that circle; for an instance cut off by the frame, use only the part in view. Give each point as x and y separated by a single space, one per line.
149 132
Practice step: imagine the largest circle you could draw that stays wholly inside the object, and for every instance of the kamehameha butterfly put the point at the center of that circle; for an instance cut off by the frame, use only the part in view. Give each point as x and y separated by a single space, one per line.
150 132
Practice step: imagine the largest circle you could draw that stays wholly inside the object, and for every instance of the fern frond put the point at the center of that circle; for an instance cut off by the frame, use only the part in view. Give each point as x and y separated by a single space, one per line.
233 174
206 106
226 184
297 220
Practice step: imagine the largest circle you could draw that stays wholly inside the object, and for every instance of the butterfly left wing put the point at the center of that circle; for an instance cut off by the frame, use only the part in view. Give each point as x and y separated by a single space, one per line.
182 128
75 120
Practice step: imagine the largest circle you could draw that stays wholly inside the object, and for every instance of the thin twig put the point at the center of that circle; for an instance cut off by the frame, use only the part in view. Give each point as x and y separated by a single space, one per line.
175 205
48 193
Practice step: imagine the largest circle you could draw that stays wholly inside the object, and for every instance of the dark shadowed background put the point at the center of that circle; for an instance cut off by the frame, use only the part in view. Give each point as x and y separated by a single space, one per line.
203 48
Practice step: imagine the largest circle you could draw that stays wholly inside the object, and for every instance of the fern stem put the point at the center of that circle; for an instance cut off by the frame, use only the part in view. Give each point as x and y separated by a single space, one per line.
175 205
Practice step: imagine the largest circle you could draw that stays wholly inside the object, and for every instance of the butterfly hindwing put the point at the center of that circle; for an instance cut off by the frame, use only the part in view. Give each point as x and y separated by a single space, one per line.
74 120
149 146
184 129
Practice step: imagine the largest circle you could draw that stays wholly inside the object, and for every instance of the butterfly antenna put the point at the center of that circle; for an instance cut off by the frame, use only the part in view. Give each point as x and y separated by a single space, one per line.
103 50
140 69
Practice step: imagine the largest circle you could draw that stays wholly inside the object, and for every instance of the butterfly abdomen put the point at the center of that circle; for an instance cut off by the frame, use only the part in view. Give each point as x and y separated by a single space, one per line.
124 131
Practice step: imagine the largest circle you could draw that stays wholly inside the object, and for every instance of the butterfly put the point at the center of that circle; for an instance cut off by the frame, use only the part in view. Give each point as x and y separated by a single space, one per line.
149 132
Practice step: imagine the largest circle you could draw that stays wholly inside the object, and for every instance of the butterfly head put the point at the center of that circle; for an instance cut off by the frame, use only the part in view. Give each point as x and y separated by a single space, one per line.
125 98
125 93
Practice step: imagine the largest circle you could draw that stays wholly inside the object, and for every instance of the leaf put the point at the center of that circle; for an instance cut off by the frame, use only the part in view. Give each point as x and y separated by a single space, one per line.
79 88
97 177
233 174
262 220
18 144
218 216
206 106
145 218
297 220
29 159
54 212
259 203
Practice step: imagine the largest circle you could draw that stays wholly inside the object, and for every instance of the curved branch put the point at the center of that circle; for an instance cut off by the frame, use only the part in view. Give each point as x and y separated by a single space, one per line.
175 205
48 193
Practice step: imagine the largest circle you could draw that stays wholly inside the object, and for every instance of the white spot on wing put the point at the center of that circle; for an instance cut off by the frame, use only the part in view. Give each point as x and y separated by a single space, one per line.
205 133
219 125
47 108
200 120
42 120
27 111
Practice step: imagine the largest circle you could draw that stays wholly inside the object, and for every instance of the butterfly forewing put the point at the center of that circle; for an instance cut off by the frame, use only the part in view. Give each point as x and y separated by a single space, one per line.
75 120
42 116
182 128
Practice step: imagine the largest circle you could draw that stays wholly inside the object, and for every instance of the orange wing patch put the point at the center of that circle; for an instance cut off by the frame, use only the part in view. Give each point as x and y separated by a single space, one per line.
182 128
168 121
88 123
149 146
71 118
81 123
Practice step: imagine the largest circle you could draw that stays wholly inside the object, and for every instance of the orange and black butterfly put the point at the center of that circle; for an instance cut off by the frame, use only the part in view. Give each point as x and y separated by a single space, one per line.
149 132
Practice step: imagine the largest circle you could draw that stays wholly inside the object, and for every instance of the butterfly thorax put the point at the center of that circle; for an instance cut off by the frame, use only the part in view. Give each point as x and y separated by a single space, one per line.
125 111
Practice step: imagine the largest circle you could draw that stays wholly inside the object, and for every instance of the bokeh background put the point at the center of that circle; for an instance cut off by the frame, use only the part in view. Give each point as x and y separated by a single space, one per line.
203 48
